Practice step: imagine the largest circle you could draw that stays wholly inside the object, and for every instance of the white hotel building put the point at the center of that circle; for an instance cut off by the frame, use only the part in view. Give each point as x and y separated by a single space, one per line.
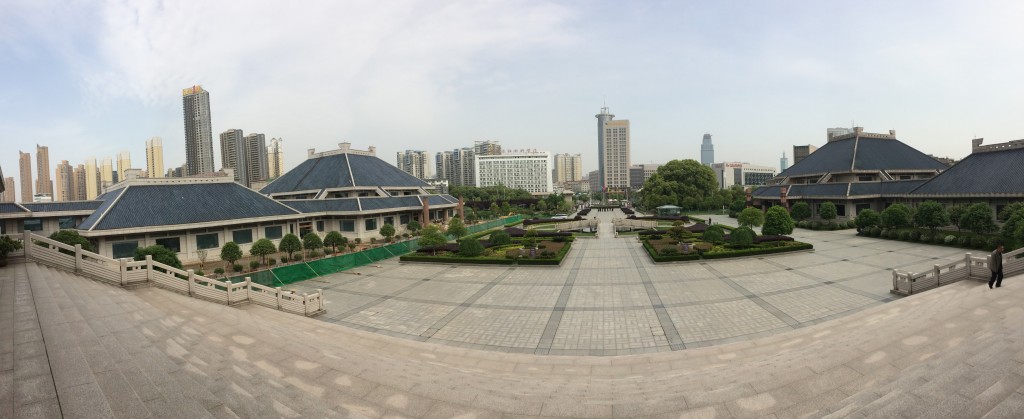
529 170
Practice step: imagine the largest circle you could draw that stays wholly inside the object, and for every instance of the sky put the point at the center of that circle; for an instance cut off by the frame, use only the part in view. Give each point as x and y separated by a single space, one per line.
93 78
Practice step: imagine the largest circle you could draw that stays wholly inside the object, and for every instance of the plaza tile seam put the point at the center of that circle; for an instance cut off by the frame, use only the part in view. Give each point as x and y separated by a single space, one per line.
753 297
830 283
461 307
547 338
389 297
675 341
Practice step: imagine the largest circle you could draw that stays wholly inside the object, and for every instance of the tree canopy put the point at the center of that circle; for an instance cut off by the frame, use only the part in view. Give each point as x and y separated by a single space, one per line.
160 254
777 221
827 211
801 211
311 241
896 216
868 218
931 214
71 238
956 215
456 228
432 236
387 230
470 247
262 248
290 244
684 183
978 218
742 236
751 217
488 193
230 252
714 234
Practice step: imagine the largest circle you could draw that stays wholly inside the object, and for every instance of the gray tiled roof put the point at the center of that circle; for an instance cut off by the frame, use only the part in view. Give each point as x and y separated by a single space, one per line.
379 203
371 203
174 204
871 154
323 205
993 172
339 171
9 207
62 206
884 188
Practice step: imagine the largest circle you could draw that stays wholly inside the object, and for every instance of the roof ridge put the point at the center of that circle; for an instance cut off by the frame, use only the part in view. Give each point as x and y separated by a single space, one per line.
348 165
112 204
21 206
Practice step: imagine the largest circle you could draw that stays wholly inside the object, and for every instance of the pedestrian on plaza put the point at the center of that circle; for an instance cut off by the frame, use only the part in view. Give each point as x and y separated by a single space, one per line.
996 265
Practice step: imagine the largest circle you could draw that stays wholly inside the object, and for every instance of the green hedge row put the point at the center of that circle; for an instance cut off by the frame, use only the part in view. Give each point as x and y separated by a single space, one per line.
673 258
557 260
758 251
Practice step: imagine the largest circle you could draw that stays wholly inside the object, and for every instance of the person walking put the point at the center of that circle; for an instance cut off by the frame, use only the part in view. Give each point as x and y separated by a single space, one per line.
996 265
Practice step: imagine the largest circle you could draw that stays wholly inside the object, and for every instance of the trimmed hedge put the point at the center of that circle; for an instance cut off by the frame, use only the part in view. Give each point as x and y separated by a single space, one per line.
673 258
757 251
557 260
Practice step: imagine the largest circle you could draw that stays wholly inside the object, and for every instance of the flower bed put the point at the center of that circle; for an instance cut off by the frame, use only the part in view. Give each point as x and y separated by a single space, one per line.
665 249
549 252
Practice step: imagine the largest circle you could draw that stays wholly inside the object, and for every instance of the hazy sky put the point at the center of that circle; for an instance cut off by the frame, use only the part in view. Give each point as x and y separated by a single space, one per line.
95 78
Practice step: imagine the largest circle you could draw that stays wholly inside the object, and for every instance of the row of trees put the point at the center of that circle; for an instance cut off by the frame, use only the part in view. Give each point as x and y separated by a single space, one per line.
933 215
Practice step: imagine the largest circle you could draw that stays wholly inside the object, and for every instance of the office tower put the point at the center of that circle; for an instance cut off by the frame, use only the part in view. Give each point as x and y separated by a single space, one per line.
594 181
78 183
92 179
63 182
25 166
802 151
255 158
486 148
275 158
413 162
43 183
783 163
568 168
638 174
106 172
462 168
124 162
443 165
613 151
232 154
707 151
745 174
526 170
155 157
8 195
198 131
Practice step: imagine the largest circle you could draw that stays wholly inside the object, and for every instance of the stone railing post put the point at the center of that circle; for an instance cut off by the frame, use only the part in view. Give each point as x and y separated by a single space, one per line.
149 267
967 259
894 282
78 258
248 289
320 294
937 271
278 289
305 303
191 280
124 269
27 245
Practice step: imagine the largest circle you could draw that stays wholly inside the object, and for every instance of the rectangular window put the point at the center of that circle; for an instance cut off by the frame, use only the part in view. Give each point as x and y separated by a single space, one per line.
207 241
348 225
865 178
241 236
273 233
389 220
3 227
66 222
404 219
173 243
320 226
840 210
906 177
862 207
371 224
125 249
33 224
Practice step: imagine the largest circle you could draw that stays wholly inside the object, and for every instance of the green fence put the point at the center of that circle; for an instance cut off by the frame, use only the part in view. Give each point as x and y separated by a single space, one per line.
501 222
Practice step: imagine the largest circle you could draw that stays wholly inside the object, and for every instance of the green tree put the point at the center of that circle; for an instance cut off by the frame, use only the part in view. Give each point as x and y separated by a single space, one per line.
494 208
262 248
230 252
827 211
679 182
470 248
931 214
290 244
896 216
542 206
1009 210
471 215
978 219
956 214
160 254
500 238
751 217
868 218
311 241
777 221
677 232
801 211
456 228
737 205
714 234
742 237
71 238
413 226
388 231
334 239
432 237
7 245
1013 229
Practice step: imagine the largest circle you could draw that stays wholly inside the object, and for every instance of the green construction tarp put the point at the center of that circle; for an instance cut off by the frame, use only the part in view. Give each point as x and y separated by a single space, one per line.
294 273
261 277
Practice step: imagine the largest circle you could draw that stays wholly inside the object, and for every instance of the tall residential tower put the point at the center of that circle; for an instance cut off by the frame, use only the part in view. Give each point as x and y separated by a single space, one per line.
198 131
43 183
568 168
155 157
25 172
613 151
275 158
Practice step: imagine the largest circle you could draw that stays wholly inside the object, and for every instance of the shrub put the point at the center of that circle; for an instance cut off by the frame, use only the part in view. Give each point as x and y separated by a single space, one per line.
904 235
777 221
237 267
714 234
801 211
964 241
284 259
938 239
271 262
656 237
816 225
979 242
219 271
916 235
313 253
290 244
71 238
199 272
262 248
160 254
896 216
751 217
994 242
742 237
951 239
470 247
547 254
827 211
500 238
668 251
230 252
851 224
876 231
254 264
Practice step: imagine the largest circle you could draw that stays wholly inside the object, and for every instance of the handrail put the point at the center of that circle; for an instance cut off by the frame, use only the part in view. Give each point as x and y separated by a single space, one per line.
903 281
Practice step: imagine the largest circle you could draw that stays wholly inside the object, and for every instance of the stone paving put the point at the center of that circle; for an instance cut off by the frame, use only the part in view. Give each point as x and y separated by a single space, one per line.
609 298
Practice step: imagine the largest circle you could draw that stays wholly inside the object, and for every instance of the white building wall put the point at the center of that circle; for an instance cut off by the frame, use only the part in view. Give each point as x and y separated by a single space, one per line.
529 171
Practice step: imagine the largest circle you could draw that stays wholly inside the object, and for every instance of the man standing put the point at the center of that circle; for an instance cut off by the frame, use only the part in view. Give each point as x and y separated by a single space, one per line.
996 265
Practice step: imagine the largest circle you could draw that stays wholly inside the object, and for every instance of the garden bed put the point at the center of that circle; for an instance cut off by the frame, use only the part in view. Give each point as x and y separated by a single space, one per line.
667 249
513 254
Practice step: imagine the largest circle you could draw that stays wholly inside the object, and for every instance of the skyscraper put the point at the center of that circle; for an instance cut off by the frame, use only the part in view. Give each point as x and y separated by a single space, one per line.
486 148
92 179
198 131
64 182
568 168
78 184
613 151
783 163
155 157
232 154
275 158
413 162
106 173
43 183
256 158
8 195
801 152
124 162
707 151
443 165
25 166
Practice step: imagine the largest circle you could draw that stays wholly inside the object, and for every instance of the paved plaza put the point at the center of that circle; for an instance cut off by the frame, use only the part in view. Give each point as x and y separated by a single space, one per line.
609 298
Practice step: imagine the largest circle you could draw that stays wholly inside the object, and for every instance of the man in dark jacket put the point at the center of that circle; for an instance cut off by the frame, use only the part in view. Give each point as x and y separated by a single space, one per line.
996 265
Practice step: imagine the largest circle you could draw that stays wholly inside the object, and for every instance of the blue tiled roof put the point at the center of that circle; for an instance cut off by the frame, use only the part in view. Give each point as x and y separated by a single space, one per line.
156 205
992 172
62 206
339 171
323 205
885 188
9 207
871 154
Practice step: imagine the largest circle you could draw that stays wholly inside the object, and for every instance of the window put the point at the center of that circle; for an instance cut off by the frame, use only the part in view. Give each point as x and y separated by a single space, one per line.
840 210
320 226
865 178
371 224
3 227
66 222
862 207
906 177
33 224
173 243
273 232
241 236
207 241
389 220
125 249
348 225
404 219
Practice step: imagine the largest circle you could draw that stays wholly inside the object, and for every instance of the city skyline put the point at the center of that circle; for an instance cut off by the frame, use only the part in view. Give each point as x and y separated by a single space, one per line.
762 77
